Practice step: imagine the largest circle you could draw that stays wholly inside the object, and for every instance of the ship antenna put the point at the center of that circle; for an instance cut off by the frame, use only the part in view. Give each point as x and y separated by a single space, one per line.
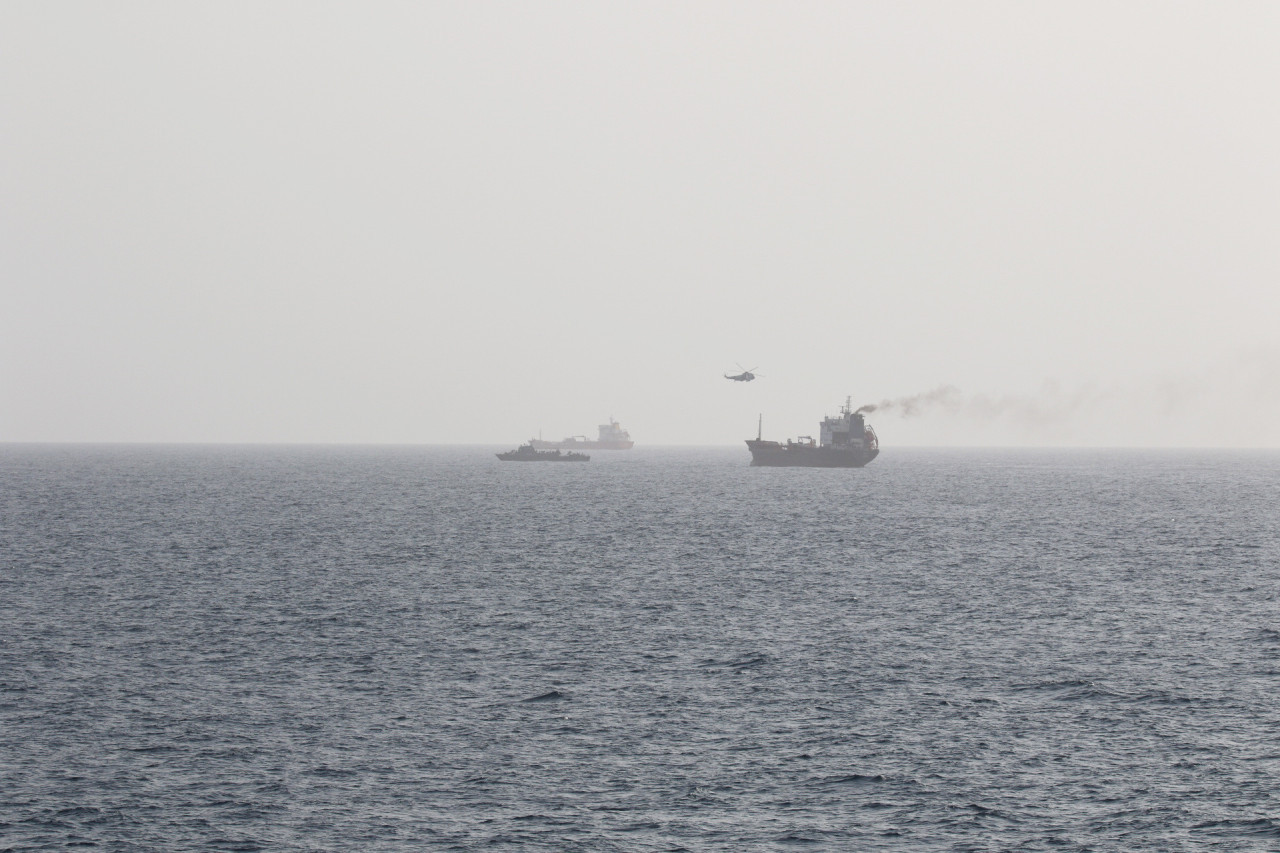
760 426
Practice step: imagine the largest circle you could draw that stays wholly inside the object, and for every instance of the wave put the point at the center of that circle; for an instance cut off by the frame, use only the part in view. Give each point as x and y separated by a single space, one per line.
549 696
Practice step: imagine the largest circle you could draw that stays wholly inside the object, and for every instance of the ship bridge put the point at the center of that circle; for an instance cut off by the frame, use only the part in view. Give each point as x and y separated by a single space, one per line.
846 430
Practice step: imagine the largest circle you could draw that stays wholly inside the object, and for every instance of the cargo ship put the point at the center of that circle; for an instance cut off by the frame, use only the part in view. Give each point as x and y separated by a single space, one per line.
846 441
612 437
527 453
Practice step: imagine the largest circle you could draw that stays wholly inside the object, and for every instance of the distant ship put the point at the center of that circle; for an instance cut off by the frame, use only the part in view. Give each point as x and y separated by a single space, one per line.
527 453
847 441
612 437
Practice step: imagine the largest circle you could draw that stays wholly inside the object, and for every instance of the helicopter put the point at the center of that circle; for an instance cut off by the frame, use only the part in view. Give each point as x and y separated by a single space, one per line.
744 376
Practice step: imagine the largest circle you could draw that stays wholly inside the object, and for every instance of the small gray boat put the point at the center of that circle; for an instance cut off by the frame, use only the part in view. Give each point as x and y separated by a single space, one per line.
527 453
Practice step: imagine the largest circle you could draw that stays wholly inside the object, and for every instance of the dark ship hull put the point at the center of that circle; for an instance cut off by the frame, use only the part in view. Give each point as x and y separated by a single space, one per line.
777 455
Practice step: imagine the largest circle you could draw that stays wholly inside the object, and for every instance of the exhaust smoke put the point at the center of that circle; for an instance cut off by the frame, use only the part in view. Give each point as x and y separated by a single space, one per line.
946 397
1051 405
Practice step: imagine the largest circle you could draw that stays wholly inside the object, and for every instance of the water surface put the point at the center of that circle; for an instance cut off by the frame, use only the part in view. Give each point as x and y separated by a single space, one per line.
338 648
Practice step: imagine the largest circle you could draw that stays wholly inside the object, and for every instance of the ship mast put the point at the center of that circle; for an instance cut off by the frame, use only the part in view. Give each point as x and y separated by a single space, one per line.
760 426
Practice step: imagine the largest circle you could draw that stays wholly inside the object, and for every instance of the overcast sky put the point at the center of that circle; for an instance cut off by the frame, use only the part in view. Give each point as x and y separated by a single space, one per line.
465 222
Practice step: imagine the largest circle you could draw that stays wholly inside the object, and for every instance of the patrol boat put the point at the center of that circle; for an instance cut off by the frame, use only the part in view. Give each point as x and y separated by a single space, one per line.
527 453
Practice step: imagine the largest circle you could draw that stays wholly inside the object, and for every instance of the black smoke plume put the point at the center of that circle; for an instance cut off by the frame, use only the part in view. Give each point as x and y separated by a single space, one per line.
946 397
1050 405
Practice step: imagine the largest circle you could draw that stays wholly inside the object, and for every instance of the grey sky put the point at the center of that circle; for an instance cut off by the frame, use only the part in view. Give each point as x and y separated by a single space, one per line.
463 222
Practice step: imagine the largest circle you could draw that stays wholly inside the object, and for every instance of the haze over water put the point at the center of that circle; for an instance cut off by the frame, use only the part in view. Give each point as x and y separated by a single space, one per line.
463 222
328 648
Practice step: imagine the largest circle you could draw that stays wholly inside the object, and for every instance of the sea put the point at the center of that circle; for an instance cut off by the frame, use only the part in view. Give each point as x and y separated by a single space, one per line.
334 648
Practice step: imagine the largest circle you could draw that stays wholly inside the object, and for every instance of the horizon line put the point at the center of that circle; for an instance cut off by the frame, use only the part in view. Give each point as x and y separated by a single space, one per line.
487 445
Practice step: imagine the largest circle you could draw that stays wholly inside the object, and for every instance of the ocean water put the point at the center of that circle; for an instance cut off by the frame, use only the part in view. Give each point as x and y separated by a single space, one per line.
320 648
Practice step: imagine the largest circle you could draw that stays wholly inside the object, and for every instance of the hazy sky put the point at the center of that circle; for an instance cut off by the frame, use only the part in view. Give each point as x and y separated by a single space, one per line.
465 222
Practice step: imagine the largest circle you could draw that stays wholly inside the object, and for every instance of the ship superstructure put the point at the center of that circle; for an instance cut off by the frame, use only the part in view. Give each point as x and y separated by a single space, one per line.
845 441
